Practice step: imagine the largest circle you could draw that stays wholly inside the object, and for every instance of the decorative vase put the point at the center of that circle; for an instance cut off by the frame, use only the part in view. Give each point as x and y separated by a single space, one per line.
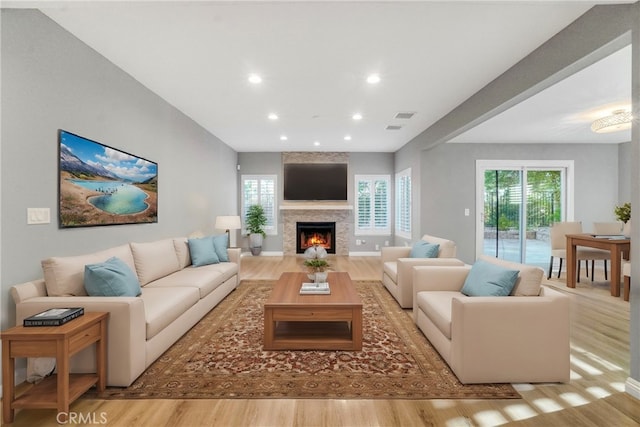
320 277
626 230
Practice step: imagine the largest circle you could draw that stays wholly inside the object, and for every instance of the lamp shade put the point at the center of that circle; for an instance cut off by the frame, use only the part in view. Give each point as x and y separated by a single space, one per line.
228 222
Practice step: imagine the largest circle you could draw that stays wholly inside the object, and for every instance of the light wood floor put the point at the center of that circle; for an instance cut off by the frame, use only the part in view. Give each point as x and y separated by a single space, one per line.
594 397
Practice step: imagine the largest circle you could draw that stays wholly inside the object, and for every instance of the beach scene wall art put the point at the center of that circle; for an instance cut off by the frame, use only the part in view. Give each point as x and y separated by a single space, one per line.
101 185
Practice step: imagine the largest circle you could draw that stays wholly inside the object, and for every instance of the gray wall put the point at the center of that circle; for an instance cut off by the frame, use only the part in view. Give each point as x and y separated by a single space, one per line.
448 185
269 163
51 80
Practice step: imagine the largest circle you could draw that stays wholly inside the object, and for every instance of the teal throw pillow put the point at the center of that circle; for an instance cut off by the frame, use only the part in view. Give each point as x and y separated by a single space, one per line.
424 249
220 245
112 278
202 251
487 279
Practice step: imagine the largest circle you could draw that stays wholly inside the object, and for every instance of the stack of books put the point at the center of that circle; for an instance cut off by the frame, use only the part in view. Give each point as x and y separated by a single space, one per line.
314 288
53 317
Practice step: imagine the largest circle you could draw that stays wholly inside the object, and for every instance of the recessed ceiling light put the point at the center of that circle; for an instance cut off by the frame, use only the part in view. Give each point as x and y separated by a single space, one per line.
255 79
273 116
283 137
357 116
347 137
316 143
373 79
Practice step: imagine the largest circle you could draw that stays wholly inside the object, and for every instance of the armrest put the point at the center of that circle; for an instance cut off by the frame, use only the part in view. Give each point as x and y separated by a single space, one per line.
392 253
503 335
234 255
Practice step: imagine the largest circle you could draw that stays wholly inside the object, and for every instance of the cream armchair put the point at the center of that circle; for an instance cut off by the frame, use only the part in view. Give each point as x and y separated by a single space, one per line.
397 274
507 339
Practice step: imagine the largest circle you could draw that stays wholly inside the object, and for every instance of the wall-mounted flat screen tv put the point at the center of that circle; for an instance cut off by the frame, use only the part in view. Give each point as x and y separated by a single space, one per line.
102 185
315 181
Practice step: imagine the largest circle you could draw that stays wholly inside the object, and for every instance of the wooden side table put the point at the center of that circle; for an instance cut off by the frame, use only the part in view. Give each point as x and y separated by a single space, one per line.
62 342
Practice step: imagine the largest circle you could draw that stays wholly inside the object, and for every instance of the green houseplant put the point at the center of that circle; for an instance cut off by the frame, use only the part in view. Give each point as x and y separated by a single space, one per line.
623 213
255 221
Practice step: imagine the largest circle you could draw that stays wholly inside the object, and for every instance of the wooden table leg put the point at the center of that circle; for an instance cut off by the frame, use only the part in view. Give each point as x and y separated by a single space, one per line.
616 259
62 361
8 382
356 328
571 263
269 331
101 357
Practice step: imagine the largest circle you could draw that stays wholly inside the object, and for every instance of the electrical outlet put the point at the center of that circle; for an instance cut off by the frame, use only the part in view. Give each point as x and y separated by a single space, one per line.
358 242
386 243
377 247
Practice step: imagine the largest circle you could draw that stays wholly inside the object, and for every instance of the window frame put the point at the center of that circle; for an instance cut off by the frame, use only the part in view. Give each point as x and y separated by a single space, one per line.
403 212
270 229
372 230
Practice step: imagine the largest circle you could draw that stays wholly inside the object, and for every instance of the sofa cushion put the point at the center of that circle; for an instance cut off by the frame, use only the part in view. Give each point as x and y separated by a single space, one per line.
112 278
487 279
203 251
64 276
423 249
220 243
529 279
436 305
182 251
162 306
205 278
154 259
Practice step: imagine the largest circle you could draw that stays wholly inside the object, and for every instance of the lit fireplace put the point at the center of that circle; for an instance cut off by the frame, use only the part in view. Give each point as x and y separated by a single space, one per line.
316 233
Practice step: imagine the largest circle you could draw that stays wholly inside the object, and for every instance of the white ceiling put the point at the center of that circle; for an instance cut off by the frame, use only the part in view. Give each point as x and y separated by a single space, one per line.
314 58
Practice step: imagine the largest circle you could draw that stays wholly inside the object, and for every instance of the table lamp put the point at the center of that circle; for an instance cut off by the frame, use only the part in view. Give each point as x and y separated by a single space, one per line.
228 222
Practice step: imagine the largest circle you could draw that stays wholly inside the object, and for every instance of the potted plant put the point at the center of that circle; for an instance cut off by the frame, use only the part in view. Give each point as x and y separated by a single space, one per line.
317 267
255 222
623 213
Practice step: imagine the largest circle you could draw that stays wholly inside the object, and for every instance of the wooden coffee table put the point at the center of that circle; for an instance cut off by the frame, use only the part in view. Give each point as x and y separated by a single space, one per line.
313 322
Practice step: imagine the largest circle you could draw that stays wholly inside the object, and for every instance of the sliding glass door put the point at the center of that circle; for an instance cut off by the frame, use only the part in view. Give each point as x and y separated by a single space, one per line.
517 203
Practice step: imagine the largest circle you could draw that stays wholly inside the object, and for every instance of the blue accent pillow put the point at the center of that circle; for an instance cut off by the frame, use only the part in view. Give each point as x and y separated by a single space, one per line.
202 251
424 249
220 245
112 278
487 279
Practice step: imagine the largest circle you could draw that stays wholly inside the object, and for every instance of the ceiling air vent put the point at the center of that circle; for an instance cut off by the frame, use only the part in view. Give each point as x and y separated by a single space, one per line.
404 115
393 127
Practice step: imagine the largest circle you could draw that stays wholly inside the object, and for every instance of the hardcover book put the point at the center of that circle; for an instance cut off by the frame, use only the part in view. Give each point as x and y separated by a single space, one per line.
53 317
315 288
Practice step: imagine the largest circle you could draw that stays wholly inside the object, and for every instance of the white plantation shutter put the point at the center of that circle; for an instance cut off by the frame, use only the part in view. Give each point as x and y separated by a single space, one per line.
372 204
260 190
403 203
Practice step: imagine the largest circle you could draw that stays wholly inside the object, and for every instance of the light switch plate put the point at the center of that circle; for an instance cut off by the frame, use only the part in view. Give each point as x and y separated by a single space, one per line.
38 215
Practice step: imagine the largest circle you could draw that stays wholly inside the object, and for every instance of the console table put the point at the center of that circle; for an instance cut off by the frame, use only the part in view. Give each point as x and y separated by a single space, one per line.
60 390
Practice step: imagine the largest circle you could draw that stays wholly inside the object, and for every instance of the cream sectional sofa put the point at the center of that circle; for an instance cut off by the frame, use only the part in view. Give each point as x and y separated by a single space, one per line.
523 337
397 267
175 296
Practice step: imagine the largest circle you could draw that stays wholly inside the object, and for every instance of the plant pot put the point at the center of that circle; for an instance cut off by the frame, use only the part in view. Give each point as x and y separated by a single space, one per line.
320 277
255 243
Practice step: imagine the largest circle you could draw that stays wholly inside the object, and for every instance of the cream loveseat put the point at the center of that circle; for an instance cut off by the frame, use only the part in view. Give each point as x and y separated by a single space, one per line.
523 337
174 297
397 273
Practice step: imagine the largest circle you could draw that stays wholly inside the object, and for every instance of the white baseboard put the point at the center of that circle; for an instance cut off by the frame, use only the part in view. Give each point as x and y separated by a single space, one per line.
632 387
364 253
265 253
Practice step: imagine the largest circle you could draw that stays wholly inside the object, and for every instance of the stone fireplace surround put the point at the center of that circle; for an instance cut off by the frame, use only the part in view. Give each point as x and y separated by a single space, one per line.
315 211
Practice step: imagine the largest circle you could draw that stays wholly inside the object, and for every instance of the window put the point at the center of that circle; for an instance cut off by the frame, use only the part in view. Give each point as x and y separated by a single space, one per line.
261 190
372 204
403 203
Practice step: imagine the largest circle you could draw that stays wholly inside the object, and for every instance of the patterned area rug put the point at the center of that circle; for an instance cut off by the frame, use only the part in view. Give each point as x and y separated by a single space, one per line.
222 357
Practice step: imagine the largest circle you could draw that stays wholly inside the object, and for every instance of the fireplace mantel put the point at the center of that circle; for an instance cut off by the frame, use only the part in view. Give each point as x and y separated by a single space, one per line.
313 206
